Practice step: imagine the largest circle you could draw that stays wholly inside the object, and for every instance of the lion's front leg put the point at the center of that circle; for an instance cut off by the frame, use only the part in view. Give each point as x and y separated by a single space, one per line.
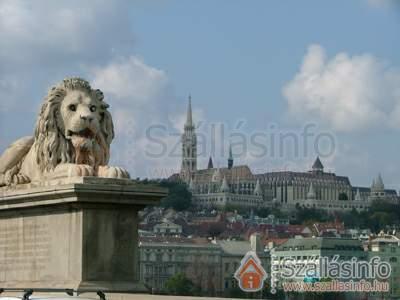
13 176
112 172
71 170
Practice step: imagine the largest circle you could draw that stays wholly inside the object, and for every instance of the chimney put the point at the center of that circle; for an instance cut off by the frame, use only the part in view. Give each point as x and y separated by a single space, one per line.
255 243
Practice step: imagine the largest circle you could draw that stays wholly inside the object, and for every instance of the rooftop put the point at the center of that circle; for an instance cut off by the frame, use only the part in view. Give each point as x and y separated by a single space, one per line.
320 243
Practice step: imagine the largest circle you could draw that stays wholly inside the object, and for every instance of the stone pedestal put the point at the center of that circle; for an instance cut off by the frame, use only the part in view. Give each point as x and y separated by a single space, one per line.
78 233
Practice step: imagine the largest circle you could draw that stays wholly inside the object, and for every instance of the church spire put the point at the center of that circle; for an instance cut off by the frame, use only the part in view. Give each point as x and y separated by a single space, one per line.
189 147
210 164
230 158
189 120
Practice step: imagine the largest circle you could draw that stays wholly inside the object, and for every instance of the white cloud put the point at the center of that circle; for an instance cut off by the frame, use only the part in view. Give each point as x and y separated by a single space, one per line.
346 92
137 90
49 40
141 97
47 29
130 78
45 41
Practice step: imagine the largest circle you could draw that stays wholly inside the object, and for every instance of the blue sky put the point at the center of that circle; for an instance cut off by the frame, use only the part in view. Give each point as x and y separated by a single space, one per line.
334 64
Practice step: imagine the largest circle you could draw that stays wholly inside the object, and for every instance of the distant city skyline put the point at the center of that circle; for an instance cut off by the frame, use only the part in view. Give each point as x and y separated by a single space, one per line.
275 66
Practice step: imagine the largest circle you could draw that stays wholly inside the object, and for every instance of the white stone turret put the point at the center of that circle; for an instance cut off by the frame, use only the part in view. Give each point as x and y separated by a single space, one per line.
257 189
191 185
311 193
379 186
358 196
224 186
216 176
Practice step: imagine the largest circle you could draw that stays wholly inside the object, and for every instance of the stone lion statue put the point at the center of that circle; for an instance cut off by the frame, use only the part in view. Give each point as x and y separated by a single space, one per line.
73 134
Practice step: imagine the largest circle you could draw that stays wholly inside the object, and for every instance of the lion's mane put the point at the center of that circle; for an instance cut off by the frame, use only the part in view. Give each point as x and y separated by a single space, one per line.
51 146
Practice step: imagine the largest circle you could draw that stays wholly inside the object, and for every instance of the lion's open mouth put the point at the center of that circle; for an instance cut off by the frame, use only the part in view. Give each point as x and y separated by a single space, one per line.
85 133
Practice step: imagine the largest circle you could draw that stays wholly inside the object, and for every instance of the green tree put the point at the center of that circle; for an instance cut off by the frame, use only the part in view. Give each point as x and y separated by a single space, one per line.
263 212
179 197
311 215
180 285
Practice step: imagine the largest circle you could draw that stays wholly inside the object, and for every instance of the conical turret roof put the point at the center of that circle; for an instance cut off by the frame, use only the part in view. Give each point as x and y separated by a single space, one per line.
210 163
317 166
379 183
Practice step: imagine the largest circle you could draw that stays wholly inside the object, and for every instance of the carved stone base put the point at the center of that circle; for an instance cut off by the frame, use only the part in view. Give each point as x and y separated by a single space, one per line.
79 233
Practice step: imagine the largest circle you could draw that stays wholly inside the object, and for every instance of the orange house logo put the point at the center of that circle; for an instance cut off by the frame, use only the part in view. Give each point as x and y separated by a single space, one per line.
251 274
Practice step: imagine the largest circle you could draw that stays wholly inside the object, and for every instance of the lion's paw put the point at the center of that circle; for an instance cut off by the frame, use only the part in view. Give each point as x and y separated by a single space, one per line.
72 170
80 170
113 172
20 179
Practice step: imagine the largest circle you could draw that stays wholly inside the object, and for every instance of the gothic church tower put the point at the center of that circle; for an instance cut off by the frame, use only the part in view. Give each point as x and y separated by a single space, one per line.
189 147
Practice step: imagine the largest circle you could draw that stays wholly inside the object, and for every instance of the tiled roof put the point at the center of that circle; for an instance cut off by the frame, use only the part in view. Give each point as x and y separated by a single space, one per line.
320 243
236 172
368 190
234 247
177 241
292 176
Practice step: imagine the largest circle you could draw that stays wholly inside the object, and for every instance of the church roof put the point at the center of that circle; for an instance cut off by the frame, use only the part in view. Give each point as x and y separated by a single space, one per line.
237 172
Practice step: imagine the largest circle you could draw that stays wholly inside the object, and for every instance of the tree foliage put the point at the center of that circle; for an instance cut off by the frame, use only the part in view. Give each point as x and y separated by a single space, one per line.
381 215
179 197
180 285
307 215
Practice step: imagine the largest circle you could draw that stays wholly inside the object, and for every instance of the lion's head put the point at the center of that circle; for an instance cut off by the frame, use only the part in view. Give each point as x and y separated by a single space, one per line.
74 126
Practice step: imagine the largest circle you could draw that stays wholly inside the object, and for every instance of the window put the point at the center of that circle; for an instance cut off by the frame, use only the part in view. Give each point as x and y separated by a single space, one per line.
226 284
226 267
